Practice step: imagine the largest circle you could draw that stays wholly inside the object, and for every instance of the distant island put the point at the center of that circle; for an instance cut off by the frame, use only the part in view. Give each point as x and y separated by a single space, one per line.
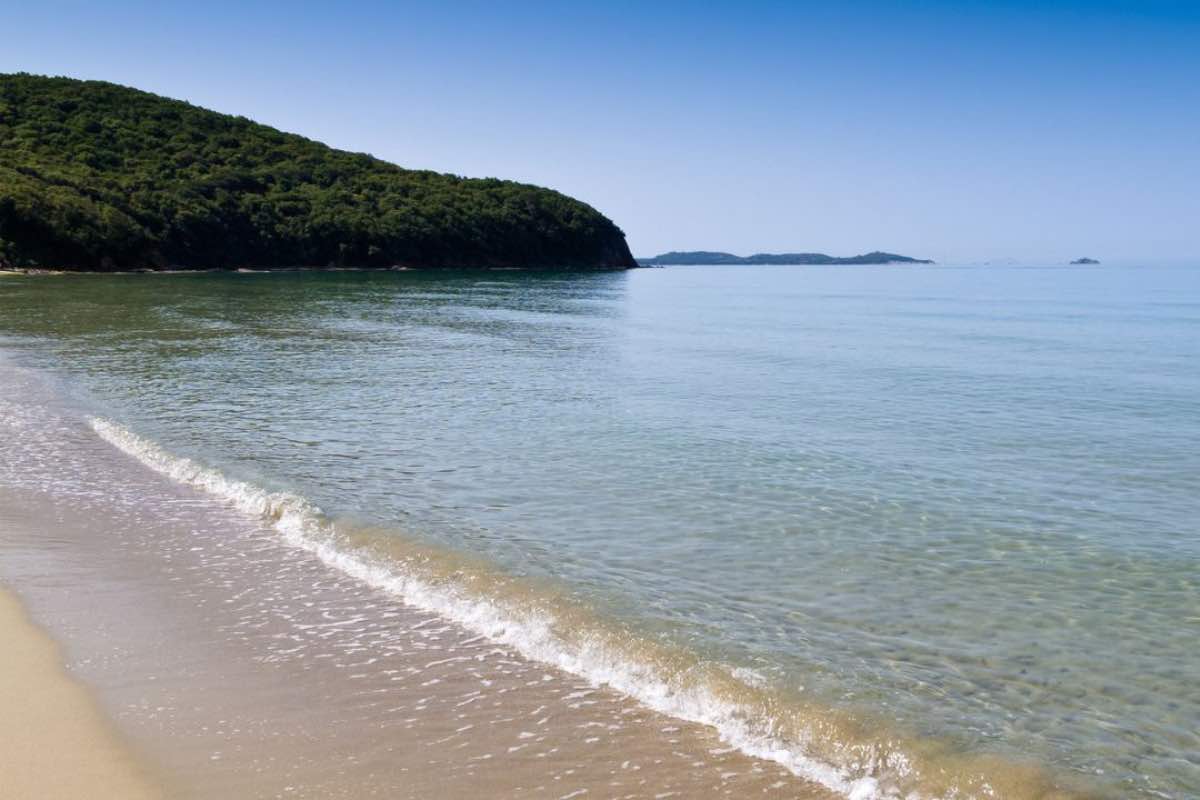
96 176
703 257
1085 261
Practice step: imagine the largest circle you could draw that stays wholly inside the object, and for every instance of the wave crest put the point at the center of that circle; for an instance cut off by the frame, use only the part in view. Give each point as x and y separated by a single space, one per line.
818 745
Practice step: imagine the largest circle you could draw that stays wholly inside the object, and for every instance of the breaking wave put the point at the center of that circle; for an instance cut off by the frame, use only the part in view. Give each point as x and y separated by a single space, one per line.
850 756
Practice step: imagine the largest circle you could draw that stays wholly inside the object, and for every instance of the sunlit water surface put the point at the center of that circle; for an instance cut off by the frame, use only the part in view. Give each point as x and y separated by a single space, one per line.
962 501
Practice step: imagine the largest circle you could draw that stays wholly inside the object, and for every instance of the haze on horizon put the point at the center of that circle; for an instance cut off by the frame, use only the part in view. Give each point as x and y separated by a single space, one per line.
954 131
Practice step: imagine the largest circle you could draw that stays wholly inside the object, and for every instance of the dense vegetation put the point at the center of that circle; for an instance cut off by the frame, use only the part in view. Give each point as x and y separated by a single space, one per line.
676 257
99 176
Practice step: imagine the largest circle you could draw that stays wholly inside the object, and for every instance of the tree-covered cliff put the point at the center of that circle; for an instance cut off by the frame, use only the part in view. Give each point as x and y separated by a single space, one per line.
103 177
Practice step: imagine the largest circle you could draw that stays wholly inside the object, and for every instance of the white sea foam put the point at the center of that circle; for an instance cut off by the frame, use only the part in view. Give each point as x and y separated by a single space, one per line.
534 635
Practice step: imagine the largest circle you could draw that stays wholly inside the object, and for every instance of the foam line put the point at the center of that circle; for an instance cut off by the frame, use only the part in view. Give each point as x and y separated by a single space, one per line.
533 635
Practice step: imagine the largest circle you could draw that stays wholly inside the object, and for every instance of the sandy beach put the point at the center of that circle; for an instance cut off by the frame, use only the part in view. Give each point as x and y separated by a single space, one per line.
54 742
237 666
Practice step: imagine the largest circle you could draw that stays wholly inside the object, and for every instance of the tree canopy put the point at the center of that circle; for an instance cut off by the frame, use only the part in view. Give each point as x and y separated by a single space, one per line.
104 177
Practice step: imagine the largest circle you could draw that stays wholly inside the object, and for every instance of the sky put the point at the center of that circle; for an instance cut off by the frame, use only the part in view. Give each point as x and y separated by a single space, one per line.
960 131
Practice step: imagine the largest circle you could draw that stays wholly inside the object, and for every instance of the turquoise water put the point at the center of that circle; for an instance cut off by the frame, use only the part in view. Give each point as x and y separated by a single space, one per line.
958 503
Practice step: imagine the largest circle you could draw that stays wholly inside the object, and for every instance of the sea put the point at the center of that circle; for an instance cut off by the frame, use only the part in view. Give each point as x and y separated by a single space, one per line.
910 531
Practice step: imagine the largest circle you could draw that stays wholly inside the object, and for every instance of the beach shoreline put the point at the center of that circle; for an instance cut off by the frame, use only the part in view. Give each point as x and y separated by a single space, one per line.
247 643
55 742
236 665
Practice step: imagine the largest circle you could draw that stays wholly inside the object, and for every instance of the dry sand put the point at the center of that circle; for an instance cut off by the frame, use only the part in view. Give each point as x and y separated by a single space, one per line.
54 741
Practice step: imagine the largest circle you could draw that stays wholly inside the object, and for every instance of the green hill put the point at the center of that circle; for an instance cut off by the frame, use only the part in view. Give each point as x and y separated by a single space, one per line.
704 257
95 176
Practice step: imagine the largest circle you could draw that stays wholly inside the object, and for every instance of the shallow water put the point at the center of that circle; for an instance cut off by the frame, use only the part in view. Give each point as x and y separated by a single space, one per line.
893 528
240 666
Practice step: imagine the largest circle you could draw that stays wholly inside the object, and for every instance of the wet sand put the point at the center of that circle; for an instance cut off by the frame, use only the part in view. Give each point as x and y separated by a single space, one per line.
243 667
54 741
337 691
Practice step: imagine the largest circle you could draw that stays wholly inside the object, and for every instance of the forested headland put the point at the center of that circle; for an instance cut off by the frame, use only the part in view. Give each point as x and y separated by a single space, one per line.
96 176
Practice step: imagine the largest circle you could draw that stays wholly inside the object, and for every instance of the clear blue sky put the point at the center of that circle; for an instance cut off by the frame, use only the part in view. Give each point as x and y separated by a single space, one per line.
955 130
